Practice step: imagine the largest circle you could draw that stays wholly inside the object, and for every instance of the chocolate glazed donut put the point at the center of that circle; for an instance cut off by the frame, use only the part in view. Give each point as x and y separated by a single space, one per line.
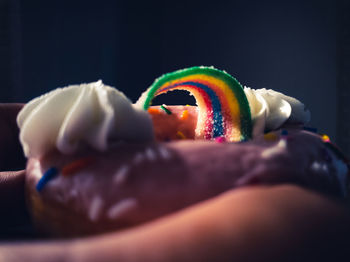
130 184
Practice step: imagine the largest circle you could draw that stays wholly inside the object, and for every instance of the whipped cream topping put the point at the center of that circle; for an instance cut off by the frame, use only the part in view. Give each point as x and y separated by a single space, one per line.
271 109
78 116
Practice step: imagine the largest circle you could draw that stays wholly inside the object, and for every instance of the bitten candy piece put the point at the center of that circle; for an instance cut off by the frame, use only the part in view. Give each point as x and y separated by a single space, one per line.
223 108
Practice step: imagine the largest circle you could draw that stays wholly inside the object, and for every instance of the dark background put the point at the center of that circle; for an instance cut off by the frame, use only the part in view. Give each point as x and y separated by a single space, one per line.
290 46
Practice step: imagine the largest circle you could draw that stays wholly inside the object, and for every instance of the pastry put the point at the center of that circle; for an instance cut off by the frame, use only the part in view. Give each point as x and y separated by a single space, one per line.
97 162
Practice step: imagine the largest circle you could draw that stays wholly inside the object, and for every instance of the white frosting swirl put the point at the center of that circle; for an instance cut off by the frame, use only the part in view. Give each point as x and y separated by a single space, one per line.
88 114
271 109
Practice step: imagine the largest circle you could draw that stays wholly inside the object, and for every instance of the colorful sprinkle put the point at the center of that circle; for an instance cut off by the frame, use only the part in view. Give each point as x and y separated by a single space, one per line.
139 157
121 175
279 148
270 136
150 154
164 152
184 115
47 176
223 106
76 166
325 138
284 132
180 135
153 111
220 139
166 110
95 208
121 208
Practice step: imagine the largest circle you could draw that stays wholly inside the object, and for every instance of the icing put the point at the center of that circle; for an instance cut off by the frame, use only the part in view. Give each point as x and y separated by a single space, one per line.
150 154
121 208
95 208
121 175
139 157
279 148
164 153
72 117
271 109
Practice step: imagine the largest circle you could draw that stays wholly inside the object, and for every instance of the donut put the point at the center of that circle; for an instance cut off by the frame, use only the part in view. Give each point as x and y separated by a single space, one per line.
97 162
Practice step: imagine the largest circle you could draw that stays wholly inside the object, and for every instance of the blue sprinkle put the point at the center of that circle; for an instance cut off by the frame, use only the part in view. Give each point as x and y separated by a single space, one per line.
310 129
48 175
284 132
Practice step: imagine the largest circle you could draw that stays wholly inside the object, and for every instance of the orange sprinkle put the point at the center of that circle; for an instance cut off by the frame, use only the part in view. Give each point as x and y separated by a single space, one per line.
270 137
326 138
75 166
153 111
180 135
184 115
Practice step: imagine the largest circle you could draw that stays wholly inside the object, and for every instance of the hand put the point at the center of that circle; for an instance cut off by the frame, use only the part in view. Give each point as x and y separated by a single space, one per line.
12 164
277 223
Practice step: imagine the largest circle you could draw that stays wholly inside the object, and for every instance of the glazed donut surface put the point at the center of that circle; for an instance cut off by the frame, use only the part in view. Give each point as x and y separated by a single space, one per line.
134 183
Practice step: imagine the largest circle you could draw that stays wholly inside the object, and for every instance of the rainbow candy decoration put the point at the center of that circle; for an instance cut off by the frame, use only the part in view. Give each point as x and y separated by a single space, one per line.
223 106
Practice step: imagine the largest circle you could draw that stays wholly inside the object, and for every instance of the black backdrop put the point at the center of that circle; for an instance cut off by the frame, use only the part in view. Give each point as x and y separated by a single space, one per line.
290 46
